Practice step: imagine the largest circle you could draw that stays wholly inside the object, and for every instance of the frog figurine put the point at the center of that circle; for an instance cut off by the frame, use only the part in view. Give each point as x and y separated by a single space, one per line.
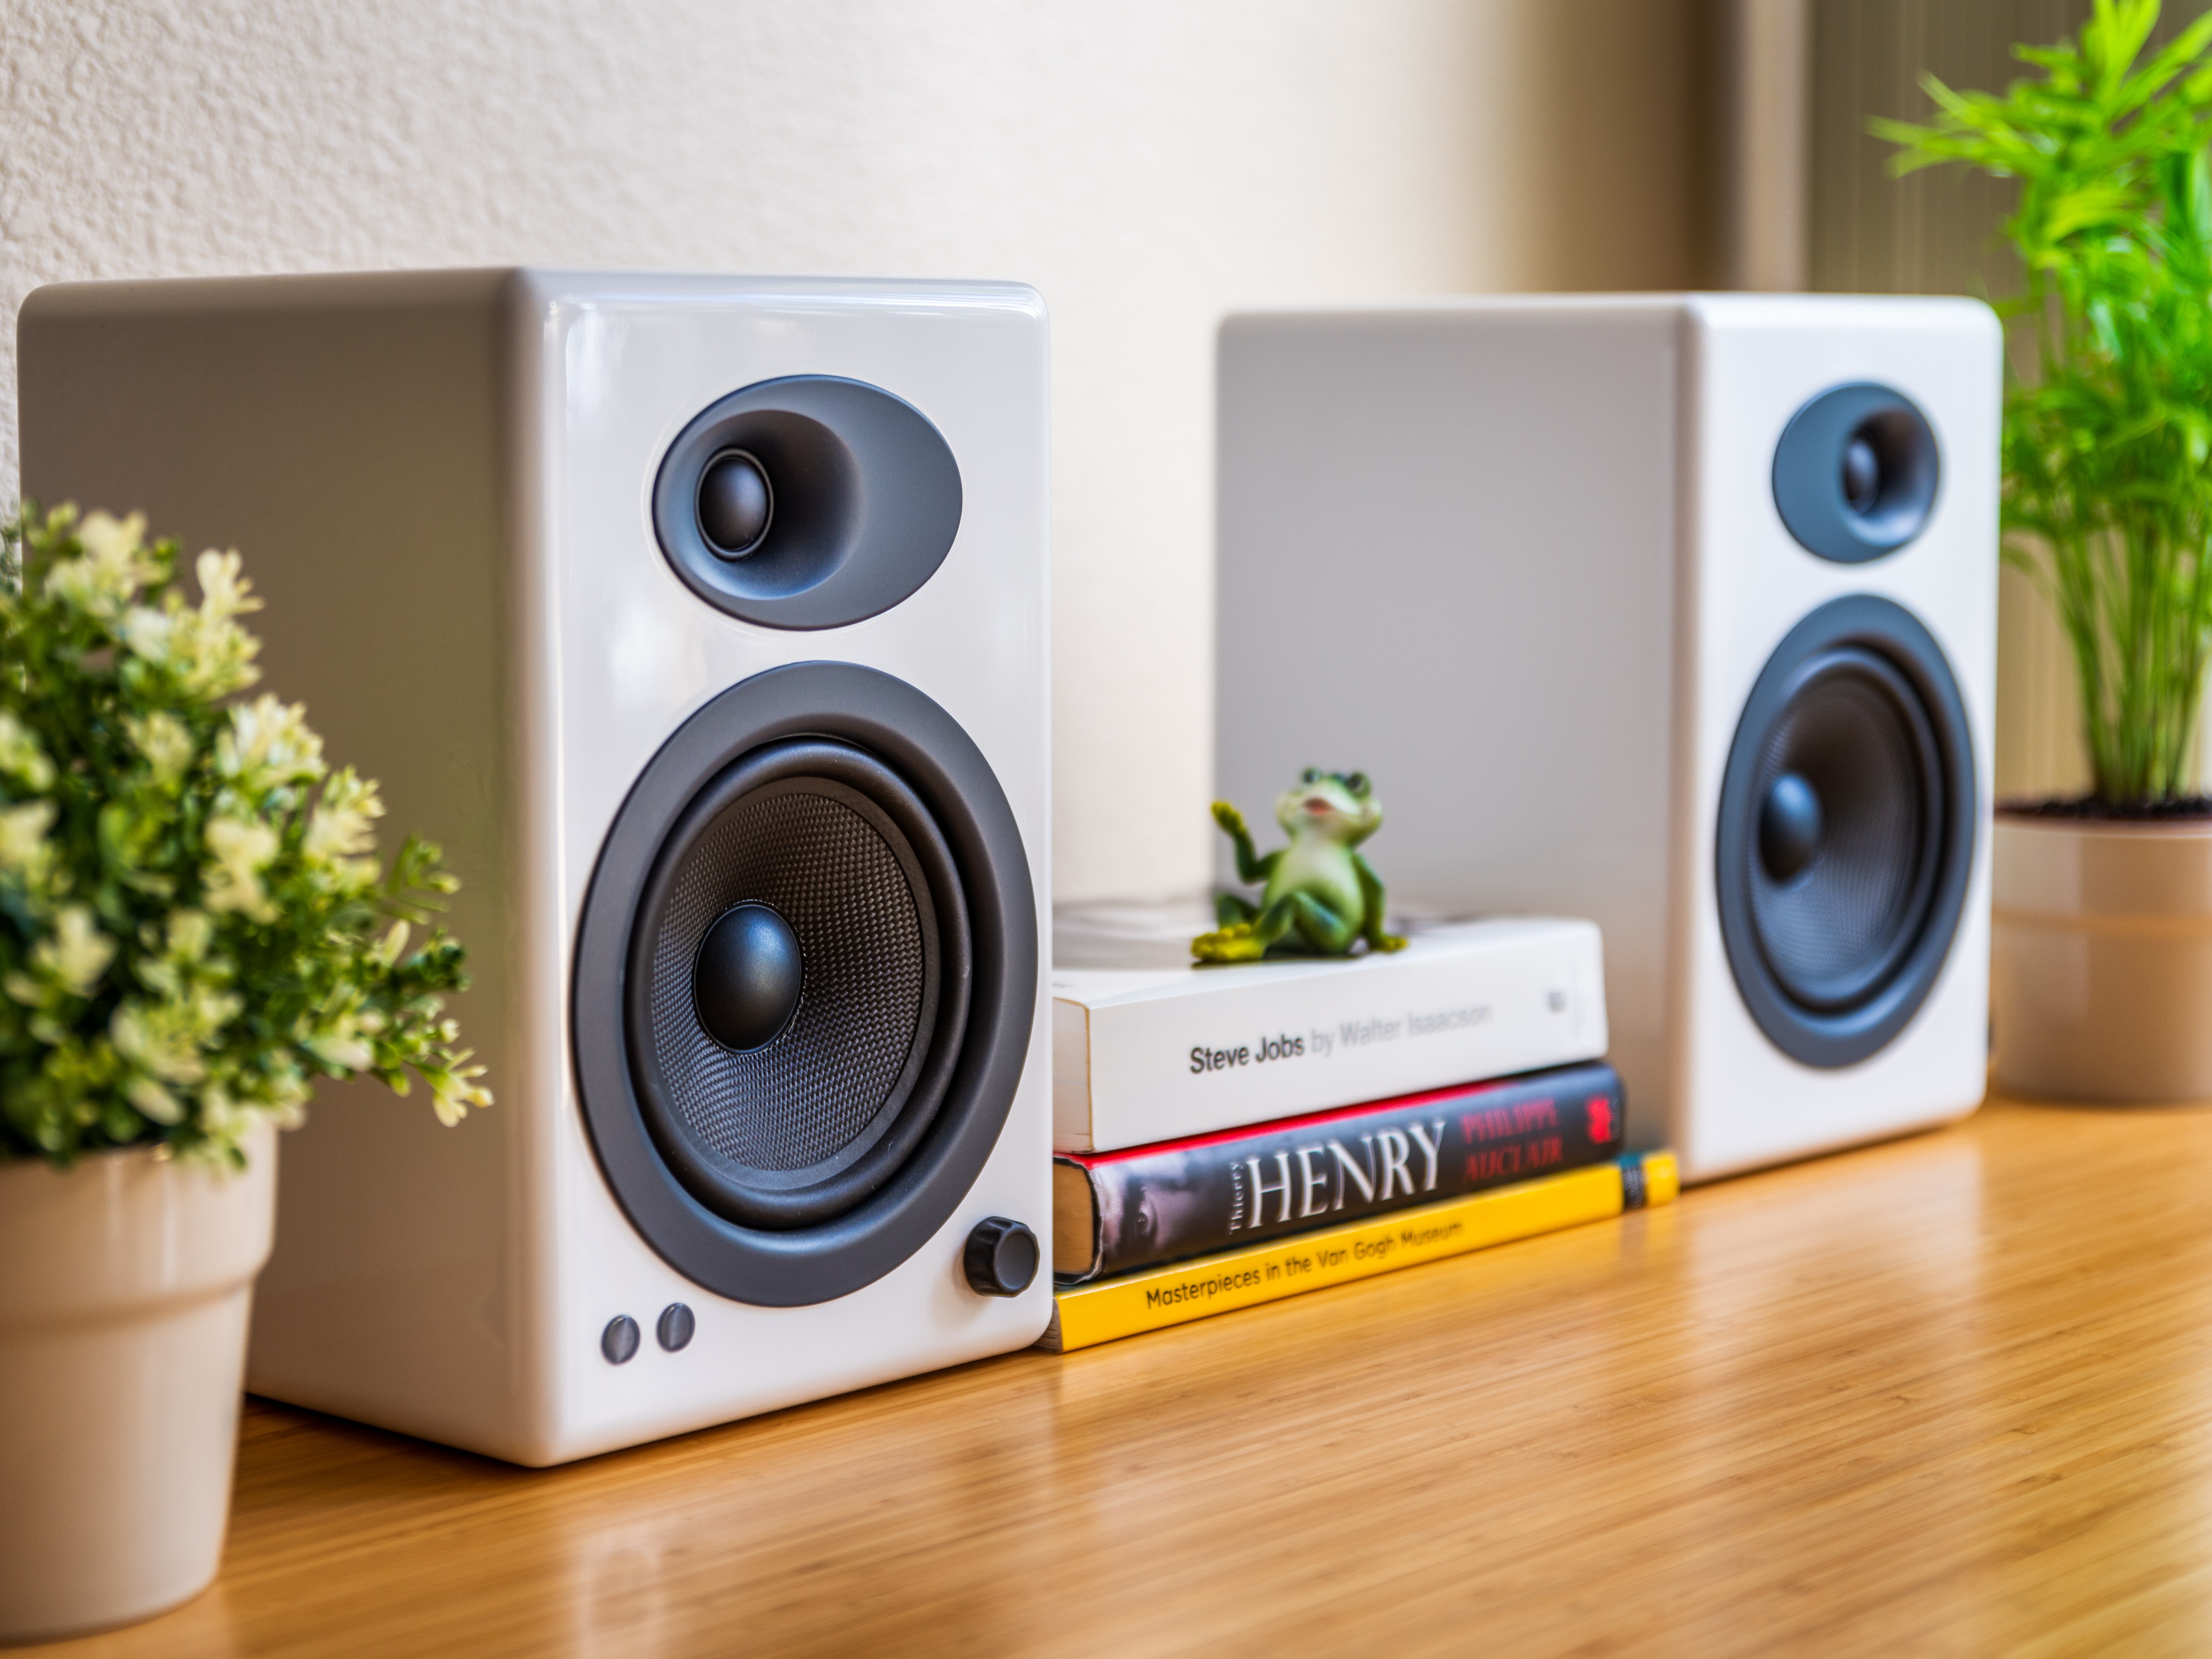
1321 896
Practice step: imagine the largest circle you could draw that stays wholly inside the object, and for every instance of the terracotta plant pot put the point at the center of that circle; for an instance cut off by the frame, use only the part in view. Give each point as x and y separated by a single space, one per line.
2100 982
123 1313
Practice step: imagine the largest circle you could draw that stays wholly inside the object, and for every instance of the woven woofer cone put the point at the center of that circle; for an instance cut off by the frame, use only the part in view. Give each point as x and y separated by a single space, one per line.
1847 830
1850 758
806 1124
821 867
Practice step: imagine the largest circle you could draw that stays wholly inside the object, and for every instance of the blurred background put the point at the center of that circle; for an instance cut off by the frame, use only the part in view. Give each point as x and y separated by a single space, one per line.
1147 165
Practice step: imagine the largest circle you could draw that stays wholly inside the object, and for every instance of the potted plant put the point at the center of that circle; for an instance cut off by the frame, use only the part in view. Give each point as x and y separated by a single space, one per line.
193 928
2101 981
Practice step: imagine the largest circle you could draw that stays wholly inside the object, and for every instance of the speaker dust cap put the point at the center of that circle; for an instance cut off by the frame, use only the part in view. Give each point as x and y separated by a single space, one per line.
809 501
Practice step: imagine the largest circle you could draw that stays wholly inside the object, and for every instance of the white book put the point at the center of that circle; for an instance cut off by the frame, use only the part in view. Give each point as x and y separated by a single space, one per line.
1157 1054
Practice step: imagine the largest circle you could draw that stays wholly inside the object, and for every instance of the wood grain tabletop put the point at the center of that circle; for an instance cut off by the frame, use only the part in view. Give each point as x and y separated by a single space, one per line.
1950 1395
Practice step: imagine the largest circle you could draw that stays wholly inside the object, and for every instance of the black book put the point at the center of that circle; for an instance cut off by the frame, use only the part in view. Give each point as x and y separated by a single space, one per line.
1114 1213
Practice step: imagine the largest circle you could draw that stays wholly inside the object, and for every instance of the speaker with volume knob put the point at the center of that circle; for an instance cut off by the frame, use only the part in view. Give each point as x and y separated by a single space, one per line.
703 620
1676 612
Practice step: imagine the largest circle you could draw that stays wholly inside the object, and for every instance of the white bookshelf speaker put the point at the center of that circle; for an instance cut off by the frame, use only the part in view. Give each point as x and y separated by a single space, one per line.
703 622
1677 612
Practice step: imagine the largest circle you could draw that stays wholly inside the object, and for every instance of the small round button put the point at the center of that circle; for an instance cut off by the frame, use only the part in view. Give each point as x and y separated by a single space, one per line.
619 1340
675 1327
1001 1258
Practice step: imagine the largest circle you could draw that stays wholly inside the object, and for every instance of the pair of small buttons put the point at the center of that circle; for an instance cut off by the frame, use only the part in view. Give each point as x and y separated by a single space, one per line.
619 1341
1000 1259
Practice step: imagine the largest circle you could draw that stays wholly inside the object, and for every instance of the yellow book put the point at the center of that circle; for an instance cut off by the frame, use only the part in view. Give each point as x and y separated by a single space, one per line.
1084 1315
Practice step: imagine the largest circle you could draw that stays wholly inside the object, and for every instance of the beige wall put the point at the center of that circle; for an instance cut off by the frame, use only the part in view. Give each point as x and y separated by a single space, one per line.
1146 164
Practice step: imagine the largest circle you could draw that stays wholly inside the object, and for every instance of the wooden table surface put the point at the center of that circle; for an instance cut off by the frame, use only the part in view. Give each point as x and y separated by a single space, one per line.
1949 1394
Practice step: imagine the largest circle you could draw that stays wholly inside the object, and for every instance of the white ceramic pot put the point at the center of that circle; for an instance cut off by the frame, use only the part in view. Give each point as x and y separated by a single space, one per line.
125 1287
2100 984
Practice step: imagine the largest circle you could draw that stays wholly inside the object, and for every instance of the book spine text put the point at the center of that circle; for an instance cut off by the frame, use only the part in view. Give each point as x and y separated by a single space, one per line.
1185 1198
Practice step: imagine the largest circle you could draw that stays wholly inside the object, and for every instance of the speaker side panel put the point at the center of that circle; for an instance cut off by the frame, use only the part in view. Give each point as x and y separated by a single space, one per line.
1739 1101
346 434
1446 558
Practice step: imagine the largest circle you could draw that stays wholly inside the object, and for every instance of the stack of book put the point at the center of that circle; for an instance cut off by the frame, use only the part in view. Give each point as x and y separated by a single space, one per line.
1206 1157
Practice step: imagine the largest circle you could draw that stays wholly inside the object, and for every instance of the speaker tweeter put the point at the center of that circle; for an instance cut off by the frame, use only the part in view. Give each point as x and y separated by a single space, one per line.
737 504
1856 473
809 501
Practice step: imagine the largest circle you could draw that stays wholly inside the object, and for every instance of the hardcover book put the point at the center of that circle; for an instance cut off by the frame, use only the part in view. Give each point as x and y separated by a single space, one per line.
1116 1212
1083 1315
1139 1056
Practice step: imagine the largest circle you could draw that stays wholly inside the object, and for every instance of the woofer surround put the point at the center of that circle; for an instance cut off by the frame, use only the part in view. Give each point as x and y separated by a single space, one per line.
1845 833
857 810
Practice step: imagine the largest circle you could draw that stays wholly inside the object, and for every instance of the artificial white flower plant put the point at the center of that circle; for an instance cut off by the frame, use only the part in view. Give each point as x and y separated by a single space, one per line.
193 922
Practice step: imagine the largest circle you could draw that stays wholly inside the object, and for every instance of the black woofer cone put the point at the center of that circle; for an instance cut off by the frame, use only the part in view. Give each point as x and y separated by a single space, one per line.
670 1165
1846 829
783 1092
1835 910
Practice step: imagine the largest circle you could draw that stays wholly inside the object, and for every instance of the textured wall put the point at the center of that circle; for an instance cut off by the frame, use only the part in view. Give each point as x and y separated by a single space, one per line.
1146 164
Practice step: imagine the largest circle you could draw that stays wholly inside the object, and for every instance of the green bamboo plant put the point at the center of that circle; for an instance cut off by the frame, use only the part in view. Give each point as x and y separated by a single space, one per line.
194 926
2108 410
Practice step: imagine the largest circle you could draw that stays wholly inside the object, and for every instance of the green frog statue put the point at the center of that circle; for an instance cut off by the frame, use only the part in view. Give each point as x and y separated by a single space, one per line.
1320 897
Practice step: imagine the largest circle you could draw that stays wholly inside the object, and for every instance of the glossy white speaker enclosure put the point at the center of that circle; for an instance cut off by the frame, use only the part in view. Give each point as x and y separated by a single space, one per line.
442 485
1521 561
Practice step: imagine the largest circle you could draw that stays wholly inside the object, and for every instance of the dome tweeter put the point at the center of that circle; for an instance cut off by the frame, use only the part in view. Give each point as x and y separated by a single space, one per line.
1856 473
736 505
809 501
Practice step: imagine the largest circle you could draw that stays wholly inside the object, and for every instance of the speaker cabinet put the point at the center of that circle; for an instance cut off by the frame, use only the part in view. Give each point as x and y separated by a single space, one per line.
704 622
1675 612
